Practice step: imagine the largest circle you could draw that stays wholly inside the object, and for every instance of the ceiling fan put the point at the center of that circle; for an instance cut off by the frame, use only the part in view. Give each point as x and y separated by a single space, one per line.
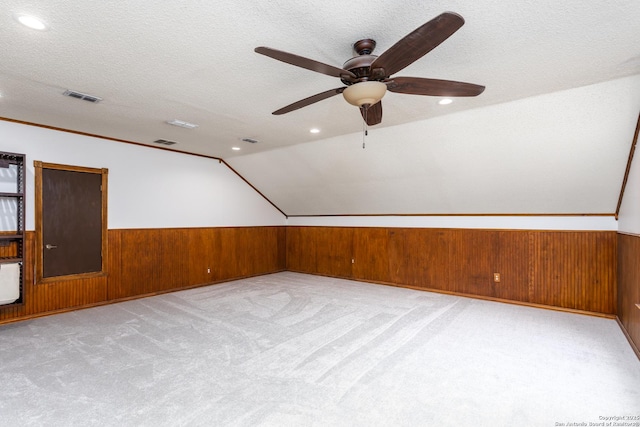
367 77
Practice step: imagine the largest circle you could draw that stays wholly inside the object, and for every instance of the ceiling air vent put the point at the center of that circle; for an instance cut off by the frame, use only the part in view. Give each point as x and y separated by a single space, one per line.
250 140
165 142
83 96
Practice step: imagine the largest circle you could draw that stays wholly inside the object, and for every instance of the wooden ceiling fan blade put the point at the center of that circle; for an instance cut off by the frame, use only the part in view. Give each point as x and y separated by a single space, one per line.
308 101
433 87
418 43
373 114
309 64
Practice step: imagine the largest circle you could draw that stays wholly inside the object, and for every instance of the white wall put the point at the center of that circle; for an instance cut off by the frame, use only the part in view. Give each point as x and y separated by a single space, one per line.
148 188
629 218
481 222
558 153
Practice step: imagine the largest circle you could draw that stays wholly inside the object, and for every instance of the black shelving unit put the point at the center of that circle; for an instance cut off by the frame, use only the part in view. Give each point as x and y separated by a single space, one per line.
12 242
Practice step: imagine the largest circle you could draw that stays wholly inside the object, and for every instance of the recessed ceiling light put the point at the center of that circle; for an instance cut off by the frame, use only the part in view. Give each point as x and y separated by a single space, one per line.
445 101
182 124
314 130
235 148
31 21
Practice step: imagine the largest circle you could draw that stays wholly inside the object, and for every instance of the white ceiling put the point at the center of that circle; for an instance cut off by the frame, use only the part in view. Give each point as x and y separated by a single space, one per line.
194 61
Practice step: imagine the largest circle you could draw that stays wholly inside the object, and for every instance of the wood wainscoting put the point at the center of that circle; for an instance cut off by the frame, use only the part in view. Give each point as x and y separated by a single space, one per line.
571 270
150 261
629 287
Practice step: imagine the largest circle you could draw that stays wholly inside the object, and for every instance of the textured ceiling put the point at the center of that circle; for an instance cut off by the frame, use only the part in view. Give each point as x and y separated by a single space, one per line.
156 61
194 61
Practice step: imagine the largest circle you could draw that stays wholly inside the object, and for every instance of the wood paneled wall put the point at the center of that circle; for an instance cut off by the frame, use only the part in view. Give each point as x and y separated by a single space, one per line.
149 261
566 269
629 287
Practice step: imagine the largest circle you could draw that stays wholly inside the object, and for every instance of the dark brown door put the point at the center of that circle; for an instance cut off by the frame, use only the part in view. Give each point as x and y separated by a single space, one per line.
71 222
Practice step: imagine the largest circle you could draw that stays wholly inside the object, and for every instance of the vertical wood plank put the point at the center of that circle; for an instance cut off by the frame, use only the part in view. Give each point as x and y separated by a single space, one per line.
629 286
139 250
282 248
114 267
301 249
473 255
576 270
428 259
396 258
511 260
371 255
334 251
198 256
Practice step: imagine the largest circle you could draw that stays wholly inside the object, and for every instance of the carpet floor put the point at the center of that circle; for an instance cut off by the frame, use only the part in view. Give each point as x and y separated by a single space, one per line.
290 349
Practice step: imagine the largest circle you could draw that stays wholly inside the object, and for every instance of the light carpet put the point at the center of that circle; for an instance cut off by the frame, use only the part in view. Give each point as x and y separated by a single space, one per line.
290 349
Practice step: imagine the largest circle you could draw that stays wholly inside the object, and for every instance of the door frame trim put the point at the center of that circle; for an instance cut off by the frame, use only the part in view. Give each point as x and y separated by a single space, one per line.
39 249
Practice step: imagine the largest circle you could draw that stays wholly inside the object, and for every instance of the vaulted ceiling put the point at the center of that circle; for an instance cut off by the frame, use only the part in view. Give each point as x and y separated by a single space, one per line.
550 134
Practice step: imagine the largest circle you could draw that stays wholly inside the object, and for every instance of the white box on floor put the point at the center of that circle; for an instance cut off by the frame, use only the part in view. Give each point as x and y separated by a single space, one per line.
9 283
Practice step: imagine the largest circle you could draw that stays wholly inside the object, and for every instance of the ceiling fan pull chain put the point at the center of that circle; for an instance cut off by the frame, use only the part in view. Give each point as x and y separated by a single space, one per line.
365 130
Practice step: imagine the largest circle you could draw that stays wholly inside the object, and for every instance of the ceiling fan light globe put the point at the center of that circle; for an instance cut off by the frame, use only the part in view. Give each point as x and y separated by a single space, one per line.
368 92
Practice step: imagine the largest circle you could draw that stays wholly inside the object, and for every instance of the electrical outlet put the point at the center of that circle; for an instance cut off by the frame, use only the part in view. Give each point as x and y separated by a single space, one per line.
496 277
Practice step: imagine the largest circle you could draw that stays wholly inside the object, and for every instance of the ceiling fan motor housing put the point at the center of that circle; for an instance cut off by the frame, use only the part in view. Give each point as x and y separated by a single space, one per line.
361 65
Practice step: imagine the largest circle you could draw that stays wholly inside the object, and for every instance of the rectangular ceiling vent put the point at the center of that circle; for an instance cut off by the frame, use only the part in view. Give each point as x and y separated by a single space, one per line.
165 142
250 140
83 96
